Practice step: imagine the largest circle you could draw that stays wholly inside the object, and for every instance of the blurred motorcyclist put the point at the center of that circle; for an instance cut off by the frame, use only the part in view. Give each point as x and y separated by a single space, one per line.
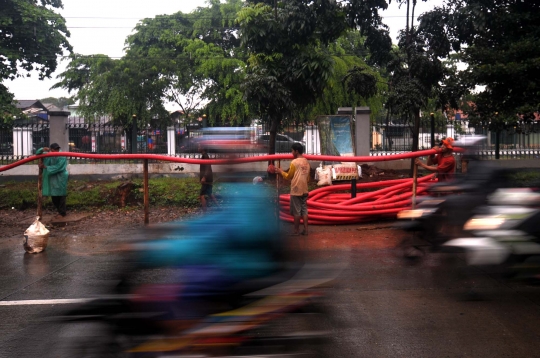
217 253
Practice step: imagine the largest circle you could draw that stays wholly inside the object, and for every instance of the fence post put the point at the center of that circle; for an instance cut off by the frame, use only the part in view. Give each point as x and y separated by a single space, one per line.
58 129
146 196
40 191
415 184
134 133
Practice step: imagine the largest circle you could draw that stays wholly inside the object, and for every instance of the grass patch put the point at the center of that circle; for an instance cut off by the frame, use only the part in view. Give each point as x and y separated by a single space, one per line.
525 178
182 192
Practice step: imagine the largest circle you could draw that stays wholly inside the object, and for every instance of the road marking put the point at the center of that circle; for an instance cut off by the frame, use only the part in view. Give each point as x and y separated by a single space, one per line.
44 302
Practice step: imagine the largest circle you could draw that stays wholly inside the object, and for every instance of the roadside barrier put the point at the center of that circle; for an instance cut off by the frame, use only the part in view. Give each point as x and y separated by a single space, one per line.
326 205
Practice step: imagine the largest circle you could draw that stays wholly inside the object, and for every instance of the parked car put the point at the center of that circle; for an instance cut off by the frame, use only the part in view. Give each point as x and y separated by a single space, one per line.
283 142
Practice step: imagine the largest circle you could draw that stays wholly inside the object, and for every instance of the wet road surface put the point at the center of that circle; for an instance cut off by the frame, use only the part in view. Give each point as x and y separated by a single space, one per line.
381 306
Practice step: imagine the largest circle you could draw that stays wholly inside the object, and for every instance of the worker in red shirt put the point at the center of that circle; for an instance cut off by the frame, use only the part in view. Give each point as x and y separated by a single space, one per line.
445 164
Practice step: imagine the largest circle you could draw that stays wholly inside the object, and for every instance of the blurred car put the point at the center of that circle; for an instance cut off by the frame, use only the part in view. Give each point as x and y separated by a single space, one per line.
227 140
187 145
283 142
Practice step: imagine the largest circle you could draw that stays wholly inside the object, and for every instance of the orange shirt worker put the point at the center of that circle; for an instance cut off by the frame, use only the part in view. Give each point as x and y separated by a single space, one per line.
445 162
298 174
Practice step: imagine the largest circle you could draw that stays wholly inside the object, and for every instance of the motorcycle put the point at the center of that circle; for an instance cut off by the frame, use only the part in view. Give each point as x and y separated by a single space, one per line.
440 215
214 286
285 319
505 235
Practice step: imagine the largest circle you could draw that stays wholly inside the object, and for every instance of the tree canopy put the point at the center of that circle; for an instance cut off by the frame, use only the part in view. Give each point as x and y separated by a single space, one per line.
199 58
290 64
60 102
120 88
32 38
498 40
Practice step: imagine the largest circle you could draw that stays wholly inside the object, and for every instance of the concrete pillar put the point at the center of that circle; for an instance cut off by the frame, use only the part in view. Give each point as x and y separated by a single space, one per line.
171 141
362 132
58 130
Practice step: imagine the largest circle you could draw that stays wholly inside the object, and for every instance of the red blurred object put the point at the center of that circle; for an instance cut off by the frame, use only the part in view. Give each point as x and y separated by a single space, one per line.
271 169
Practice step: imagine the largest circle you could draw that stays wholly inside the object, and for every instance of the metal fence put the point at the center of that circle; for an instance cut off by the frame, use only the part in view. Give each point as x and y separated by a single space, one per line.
21 139
514 143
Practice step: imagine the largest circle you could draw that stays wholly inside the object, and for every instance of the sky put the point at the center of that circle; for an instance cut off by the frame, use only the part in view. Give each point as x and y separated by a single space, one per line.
101 27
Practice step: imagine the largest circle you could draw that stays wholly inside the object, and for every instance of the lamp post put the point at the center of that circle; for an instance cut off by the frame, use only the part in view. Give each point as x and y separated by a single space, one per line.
204 121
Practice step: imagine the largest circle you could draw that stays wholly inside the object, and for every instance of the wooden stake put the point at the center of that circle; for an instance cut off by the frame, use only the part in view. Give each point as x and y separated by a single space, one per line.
146 196
40 192
415 183
277 194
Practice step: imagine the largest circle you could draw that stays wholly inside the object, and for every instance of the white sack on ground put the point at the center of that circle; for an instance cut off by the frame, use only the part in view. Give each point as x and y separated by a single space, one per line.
36 237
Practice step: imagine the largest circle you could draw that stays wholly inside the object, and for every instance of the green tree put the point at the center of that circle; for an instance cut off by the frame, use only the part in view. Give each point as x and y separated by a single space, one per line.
352 82
33 36
60 102
124 89
199 59
290 64
498 41
417 73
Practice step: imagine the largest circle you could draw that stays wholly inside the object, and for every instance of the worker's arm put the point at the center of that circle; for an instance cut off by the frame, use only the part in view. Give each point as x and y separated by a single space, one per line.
60 166
287 175
427 167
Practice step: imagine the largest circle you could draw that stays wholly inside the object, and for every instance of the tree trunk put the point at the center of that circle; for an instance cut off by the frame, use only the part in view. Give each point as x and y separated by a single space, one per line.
407 26
274 124
134 136
388 139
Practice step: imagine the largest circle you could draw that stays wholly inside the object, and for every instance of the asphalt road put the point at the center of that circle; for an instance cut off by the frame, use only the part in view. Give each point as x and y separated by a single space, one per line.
381 306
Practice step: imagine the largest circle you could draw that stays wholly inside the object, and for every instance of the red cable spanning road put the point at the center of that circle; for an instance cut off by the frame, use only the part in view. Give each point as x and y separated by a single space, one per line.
326 206
261 158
